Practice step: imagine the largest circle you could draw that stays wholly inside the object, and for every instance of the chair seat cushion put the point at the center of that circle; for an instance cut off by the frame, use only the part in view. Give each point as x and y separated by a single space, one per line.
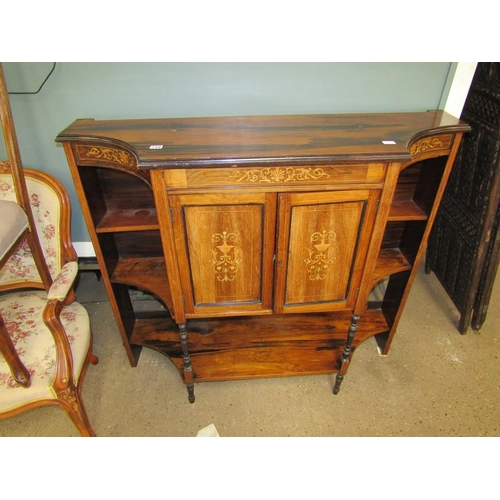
22 313
14 223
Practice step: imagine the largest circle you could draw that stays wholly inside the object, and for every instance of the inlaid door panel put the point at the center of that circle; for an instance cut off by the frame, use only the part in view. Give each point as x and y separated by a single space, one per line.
323 238
225 248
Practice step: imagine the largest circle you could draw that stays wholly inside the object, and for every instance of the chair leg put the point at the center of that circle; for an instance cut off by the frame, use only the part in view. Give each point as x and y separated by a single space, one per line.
93 359
71 400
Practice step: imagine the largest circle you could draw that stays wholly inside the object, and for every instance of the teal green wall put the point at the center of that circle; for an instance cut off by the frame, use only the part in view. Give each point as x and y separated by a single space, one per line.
155 90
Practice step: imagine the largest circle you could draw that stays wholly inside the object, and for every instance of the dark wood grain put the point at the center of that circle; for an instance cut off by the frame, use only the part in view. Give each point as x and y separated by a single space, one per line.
258 346
293 139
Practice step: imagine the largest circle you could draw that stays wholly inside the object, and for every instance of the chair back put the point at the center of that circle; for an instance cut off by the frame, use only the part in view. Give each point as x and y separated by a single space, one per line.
51 210
18 185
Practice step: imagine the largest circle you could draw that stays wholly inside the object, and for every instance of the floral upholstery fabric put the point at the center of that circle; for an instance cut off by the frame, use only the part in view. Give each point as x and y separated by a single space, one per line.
46 211
63 281
22 313
17 223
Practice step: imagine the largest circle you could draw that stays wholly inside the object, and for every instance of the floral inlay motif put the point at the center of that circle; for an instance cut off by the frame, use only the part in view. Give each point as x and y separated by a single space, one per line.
321 255
111 154
280 174
227 255
425 145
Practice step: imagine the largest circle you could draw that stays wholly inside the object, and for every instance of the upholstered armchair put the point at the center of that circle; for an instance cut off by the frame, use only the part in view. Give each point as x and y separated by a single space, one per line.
45 335
50 331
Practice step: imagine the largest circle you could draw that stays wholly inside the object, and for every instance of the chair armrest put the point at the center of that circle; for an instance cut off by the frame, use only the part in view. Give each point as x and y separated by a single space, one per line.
63 282
61 288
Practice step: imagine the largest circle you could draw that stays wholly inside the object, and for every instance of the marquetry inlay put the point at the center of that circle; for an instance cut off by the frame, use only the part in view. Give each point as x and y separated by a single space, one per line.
110 154
425 145
227 255
280 174
321 255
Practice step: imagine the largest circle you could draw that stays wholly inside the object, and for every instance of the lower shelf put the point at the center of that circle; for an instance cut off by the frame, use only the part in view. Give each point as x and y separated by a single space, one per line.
257 346
390 261
146 274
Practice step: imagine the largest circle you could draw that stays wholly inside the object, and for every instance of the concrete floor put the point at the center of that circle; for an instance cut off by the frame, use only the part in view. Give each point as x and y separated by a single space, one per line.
434 382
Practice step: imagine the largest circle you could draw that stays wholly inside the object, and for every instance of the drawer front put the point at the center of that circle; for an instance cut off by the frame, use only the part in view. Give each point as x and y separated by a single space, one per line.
276 176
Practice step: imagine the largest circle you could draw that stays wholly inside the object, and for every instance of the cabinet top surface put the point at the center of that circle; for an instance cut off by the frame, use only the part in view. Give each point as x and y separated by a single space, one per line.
194 142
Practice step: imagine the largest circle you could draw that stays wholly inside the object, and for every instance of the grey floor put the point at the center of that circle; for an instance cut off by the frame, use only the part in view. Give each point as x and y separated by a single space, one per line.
434 382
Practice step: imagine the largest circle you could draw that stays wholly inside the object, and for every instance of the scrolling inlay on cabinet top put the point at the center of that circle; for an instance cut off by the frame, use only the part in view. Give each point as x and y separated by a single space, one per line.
279 174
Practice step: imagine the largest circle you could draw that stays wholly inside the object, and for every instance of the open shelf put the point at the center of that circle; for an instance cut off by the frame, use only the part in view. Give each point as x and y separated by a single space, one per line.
416 190
144 273
119 201
390 261
258 346
403 210
143 219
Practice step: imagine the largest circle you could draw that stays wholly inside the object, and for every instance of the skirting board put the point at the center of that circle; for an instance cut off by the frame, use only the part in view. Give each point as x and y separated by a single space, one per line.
84 248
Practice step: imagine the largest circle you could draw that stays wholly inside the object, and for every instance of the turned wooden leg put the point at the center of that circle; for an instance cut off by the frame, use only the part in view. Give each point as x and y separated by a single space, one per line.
188 369
344 363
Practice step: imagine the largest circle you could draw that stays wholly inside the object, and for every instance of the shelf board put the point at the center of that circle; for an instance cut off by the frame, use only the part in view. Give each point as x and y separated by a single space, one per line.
258 346
146 274
390 261
406 210
143 219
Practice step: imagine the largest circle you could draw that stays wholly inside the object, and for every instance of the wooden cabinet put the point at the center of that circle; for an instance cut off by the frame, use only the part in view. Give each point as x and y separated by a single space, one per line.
273 245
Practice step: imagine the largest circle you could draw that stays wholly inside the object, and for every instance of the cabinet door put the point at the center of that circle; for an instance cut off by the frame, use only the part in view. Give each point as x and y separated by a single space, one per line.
225 248
322 244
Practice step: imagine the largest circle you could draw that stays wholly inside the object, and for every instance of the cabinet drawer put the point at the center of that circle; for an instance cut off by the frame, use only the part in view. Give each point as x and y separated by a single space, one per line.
275 176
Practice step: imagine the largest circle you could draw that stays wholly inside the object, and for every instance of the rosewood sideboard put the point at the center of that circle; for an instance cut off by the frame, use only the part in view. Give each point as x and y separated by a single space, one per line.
274 245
